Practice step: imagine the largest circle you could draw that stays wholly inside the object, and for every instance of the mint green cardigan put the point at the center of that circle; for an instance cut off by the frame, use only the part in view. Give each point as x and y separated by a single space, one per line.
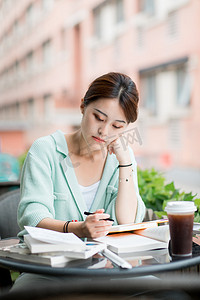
49 187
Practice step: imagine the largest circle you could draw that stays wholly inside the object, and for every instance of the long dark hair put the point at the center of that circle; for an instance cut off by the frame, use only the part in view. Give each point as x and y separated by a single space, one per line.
115 85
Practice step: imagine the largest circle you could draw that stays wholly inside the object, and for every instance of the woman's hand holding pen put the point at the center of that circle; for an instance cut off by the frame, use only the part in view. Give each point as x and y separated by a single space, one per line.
96 225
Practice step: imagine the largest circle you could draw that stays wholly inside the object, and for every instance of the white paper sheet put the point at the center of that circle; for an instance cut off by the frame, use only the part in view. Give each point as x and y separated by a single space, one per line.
53 237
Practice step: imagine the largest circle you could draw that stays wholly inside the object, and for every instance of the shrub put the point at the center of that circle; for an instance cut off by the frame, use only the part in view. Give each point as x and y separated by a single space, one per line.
156 193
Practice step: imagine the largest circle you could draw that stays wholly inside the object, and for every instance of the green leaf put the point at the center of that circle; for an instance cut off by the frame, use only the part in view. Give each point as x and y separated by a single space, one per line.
170 187
160 214
197 203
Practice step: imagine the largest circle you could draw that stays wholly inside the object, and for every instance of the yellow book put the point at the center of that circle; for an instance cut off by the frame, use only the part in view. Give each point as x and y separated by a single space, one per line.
136 226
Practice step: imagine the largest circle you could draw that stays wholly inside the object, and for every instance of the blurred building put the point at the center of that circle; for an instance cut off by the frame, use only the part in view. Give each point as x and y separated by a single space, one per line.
50 50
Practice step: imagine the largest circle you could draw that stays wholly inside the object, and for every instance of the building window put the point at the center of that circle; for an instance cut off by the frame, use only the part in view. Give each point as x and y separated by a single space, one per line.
106 17
31 109
147 6
183 86
166 90
2 112
16 111
30 15
174 133
119 11
97 22
63 39
46 52
30 62
140 37
148 93
172 24
47 106
16 27
47 5
104 21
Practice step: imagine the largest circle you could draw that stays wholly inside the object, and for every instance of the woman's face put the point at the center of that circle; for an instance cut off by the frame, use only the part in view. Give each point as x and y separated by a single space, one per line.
103 122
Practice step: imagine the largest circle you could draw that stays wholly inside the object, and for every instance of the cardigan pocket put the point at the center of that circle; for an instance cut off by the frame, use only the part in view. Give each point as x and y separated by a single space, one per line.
61 205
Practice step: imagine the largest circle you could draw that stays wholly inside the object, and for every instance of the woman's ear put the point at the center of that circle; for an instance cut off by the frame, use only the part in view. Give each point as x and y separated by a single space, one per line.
82 106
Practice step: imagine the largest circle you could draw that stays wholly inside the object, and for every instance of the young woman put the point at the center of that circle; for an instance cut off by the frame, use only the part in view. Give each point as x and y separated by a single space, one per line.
91 169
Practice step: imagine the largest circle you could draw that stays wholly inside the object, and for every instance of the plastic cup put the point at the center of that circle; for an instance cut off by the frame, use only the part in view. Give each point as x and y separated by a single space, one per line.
181 218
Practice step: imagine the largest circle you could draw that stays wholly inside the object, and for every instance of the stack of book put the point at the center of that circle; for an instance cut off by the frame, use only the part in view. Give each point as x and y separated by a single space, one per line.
138 241
52 248
137 237
58 249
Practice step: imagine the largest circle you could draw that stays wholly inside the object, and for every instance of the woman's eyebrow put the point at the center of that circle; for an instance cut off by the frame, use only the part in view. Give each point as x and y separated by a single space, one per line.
101 112
122 121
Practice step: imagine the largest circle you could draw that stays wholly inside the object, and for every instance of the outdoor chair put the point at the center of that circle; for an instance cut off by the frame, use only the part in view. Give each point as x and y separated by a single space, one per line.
8 226
8 214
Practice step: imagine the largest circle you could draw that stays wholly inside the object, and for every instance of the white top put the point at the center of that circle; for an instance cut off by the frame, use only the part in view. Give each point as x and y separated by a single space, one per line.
89 193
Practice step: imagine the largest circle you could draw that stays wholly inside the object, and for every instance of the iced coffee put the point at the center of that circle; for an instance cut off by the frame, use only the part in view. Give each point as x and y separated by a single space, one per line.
181 217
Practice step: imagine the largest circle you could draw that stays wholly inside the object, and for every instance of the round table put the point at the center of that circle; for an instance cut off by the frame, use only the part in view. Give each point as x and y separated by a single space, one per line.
81 269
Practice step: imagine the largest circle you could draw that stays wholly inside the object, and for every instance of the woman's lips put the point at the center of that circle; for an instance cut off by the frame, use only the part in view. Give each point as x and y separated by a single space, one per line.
97 139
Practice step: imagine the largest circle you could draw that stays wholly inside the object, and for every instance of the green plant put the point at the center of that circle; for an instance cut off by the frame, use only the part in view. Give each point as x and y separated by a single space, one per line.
156 193
14 275
21 159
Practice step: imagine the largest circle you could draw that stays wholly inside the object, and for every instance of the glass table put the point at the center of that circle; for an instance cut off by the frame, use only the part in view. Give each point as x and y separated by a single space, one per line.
143 263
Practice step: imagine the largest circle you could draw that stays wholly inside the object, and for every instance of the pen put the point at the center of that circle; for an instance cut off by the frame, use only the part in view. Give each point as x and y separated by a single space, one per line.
116 259
87 213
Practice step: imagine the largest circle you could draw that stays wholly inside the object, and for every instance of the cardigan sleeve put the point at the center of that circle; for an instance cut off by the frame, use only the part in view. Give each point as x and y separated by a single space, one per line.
37 198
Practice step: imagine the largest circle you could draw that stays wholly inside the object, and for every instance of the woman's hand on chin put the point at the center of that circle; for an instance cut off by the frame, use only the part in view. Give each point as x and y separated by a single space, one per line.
120 150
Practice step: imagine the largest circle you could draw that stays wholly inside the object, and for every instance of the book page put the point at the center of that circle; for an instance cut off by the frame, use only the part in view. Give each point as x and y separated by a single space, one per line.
160 233
54 237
